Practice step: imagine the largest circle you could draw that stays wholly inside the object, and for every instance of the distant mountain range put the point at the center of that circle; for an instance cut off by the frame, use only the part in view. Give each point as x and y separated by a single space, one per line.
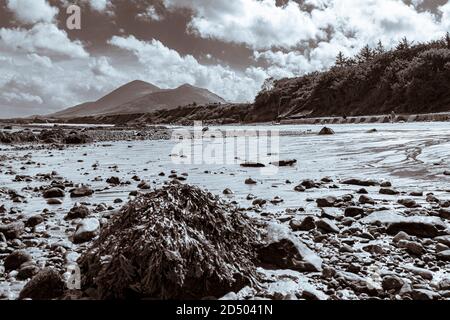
141 97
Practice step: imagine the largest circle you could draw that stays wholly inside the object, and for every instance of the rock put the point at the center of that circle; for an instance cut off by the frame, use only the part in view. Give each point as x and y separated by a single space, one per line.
422 294
444 240
14 260
326 131
284 163
327 226
386 184
78 212
416 194
408 203
392 283
362 191
300 188
360 182
412 247
113 180
259 202
444 255
420 226
46 285
27 271
53 193
444 214
143 185
250 181
357 283
309 184
400 236
389 191
77 138
252 165
424 273
353 212
289 254
326 202
444 284
13 230
86 230
306 224
364 199
54 202
34 221
228 192
81 192
447 173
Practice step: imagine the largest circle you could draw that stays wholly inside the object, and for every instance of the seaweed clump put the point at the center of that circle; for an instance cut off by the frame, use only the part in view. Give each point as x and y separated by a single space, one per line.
178 242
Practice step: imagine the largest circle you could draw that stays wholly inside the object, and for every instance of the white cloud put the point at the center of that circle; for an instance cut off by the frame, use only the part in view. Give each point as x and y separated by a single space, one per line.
260 24
166 68
41 38
32 11
100 5
150 14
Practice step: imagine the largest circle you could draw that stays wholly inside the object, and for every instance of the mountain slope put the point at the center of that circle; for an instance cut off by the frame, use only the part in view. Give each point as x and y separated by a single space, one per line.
128 92
142 97
168 99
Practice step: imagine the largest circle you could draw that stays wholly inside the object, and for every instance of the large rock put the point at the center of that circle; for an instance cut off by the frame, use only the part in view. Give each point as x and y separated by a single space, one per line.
87 230
53 193
285 251
81 192
326 131
46 285
13 230
326 202
14 260
360 182
78 212
420 226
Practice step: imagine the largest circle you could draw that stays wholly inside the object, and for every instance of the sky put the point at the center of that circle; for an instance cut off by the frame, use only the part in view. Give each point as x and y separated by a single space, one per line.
227 46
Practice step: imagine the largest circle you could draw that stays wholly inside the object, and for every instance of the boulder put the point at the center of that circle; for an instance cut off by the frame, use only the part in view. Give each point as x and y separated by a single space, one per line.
353 212
78 212
327 226
13 230
326 131
46 285
53 193
389 191
360 182
284 251
326 202
15 259
81 192
87 230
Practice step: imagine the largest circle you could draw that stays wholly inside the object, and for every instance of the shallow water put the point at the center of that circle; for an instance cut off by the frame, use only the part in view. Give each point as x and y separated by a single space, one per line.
411 155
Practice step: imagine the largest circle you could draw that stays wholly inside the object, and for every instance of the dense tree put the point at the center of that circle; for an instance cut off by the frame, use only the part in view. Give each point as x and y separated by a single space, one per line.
411 78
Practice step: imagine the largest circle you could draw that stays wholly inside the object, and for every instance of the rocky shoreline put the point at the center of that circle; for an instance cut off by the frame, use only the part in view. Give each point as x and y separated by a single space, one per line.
375 241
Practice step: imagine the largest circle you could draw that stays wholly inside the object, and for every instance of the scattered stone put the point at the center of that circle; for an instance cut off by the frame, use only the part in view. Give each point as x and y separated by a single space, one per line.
327 226
143 185
326 202
87 230
408 203
252 165
394 283
326 131
13 230
284 163
54 202
389 191
360 182
46 285
78 212
364 199
250 181
300 188
353 212
81 192
14 260
113 180
34 221
444 255
27 271
228 192
53 193
306 224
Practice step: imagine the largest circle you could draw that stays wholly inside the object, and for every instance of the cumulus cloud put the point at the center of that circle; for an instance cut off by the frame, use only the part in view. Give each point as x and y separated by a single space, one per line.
260 24
166 68
100 5
32 11
42 37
